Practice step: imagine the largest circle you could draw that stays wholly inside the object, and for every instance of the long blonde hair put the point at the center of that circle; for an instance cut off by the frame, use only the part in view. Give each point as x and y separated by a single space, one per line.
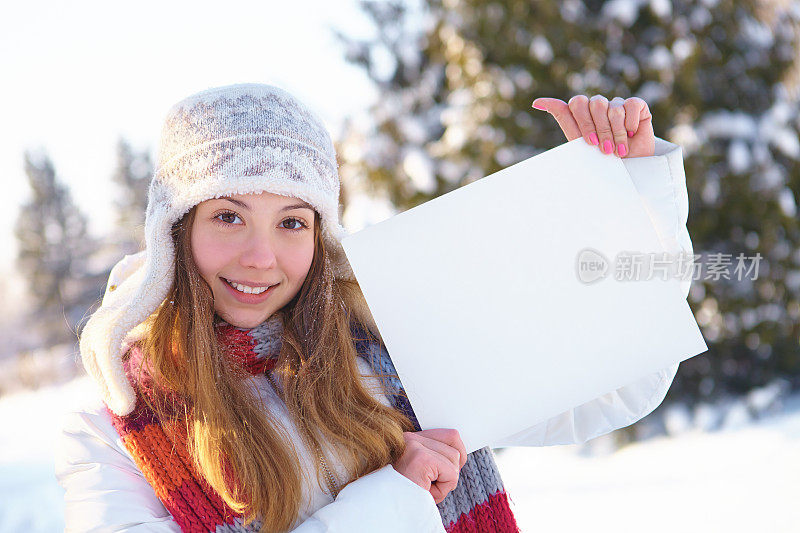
234 443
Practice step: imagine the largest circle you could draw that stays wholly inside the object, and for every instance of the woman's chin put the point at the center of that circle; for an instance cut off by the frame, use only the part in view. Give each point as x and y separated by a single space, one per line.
244 320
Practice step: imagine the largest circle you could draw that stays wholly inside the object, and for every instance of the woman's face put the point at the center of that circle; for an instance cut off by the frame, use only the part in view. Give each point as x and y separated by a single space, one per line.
244 243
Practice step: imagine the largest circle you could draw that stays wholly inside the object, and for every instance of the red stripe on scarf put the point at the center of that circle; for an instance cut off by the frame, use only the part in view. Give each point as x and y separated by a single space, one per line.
493 515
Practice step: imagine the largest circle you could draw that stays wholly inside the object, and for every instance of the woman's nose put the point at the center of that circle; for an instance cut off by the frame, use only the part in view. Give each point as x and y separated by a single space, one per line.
258 252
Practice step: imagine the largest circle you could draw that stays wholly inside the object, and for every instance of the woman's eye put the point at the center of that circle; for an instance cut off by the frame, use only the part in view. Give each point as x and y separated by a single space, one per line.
292 221
228 218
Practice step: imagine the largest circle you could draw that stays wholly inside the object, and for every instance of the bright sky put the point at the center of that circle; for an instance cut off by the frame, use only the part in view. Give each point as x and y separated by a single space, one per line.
77 75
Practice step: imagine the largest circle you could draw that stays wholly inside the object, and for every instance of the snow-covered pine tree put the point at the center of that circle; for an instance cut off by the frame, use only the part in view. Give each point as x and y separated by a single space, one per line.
132 175
456 79
53 246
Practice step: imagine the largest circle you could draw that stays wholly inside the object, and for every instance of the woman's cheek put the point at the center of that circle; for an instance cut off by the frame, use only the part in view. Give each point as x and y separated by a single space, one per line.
300 263
210 254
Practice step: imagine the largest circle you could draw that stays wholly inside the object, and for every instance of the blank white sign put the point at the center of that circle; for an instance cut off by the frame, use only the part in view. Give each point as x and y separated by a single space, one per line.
478 300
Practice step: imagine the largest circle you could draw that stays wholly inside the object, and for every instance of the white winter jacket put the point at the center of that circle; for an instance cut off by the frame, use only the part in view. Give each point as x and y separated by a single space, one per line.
105 490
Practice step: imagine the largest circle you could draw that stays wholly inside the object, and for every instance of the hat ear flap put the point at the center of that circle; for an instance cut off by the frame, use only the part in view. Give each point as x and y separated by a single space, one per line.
128 305
97 350
91 341
122 271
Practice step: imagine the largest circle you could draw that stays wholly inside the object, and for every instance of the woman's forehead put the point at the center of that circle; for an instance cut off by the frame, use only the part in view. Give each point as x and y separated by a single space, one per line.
251 199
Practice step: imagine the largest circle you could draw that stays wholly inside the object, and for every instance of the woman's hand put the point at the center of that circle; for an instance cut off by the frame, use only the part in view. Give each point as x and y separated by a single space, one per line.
432 460
624 127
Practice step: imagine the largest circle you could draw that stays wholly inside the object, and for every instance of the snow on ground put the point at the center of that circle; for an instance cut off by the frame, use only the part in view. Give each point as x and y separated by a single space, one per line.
30 498
742 479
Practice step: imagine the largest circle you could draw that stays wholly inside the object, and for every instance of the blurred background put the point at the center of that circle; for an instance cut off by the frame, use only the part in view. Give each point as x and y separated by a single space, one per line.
423 97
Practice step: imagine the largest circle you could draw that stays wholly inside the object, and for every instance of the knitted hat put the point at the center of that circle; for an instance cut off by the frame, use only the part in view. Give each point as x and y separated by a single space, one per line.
237 139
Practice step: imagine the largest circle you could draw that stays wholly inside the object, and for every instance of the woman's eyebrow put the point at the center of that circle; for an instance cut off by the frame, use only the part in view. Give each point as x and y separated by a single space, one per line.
236 202
302 205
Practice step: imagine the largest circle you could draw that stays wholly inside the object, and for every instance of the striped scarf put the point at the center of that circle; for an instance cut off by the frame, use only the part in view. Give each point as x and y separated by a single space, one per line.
478 504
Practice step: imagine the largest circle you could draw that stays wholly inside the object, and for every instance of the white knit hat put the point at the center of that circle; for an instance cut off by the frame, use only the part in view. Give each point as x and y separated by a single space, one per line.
237 139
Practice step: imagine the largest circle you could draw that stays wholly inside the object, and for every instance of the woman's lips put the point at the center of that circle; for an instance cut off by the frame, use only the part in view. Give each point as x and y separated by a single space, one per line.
248 298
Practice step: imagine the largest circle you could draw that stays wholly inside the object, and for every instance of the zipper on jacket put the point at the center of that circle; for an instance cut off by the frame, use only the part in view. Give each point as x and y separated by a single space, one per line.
329 479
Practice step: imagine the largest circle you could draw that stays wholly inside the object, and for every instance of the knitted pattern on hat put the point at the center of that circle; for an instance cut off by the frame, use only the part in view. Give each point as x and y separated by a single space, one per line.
478 504
237 139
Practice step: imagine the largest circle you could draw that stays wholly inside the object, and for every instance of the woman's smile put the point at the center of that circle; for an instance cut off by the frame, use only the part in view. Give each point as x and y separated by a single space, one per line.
250 293
250 287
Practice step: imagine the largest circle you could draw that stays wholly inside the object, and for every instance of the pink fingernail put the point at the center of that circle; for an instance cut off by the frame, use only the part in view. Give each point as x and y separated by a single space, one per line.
607 147
540 108
630 134
621 150
593 139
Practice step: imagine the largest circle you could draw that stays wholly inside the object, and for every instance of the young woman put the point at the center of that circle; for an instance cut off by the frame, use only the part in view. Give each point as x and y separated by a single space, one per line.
243 385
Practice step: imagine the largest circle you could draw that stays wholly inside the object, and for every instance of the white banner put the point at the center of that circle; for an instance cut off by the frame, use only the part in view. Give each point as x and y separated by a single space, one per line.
497 301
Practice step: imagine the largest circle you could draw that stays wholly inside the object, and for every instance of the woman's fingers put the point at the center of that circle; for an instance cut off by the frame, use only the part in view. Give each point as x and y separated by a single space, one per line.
598 108
616 117
621 126
432 459
642 138
445 450
561 111
449 437
579 107
432 470
633 111
446 477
